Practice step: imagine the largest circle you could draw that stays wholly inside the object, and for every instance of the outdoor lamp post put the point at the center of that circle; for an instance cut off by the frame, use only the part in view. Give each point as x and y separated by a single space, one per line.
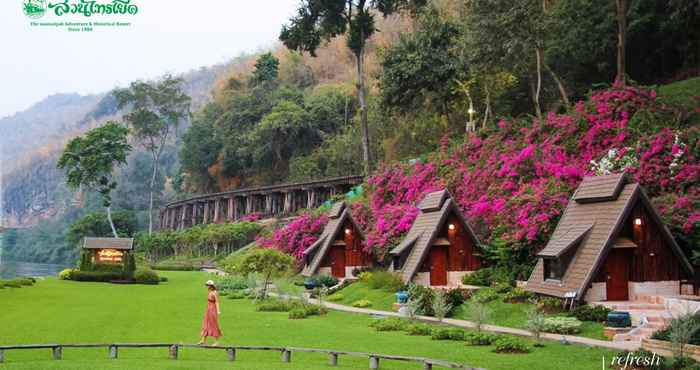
471 126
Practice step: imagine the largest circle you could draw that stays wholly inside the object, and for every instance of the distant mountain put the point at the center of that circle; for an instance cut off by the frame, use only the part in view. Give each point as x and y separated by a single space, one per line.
31 188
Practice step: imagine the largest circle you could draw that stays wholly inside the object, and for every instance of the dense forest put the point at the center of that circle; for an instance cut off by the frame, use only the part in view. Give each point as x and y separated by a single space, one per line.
433 74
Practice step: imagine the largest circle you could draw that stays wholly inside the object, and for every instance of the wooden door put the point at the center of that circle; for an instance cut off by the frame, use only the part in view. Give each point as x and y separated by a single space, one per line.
438 265
618 272
338 261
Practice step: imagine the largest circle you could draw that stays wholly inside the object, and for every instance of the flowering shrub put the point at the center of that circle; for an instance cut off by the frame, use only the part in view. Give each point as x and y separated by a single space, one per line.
513 182
296 236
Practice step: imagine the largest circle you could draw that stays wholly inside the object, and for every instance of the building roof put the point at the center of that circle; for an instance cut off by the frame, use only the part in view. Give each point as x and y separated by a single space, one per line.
571 237
599 188
108 243
604 219
434 210
338 215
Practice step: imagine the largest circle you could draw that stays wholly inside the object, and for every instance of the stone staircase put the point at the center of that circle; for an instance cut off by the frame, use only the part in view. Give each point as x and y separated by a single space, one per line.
648 316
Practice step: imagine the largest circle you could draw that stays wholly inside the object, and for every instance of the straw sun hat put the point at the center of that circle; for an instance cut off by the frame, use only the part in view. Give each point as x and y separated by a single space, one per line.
210 283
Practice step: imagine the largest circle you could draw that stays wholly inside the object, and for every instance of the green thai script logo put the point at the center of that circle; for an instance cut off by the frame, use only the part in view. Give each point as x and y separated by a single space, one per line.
34 8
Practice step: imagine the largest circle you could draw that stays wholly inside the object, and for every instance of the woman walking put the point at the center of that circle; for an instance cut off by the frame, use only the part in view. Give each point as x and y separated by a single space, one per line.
210 325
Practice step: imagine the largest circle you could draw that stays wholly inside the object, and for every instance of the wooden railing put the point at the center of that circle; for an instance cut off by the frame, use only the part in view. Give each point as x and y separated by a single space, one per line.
286 353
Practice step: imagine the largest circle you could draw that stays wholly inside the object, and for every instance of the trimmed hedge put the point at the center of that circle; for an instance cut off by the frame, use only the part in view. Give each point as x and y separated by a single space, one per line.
98 276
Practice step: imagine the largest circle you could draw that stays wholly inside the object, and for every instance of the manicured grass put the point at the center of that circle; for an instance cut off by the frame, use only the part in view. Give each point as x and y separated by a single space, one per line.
56 311
681 92
381 299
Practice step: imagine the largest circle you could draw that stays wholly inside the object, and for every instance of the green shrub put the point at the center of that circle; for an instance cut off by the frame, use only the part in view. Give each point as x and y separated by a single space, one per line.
11 284
163 279
66 274
145 275
550 304
236 294
457 296
443 333
232 282
481 338
98 276
365 276
337 297
591 313
327 280
362 303
510 345
481 277
385 280
690 321
485 295
562 325
502 288
419 329
24 281
517 295
175 267
422 296
105 267
297 313
389 324
273 305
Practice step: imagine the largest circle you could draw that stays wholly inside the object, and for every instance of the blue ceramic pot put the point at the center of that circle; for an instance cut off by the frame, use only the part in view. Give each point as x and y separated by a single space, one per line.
402 297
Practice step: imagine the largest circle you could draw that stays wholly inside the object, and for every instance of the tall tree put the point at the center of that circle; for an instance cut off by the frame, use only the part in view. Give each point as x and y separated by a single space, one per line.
621 6
90 160
266 70
156 109
318 20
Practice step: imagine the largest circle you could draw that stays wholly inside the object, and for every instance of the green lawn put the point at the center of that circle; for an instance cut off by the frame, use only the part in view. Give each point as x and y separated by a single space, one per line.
681 92
381 299
56 311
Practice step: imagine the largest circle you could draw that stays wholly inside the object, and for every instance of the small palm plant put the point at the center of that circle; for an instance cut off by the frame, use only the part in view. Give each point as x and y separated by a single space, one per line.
479 314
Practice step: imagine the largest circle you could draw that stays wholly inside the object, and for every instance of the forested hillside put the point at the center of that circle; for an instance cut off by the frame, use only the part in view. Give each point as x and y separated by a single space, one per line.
441 78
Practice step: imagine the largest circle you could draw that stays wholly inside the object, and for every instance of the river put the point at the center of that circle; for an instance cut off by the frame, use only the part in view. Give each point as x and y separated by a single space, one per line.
11 269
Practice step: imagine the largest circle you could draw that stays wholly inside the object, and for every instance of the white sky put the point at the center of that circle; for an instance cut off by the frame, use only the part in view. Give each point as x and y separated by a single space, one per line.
165 36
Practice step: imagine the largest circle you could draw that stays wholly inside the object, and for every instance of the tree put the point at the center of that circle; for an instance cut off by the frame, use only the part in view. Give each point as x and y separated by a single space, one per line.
268 262
513 36
417 68
90 160
621 7
536 324
96 224
201 146
156 109
266 70
318 20
280 132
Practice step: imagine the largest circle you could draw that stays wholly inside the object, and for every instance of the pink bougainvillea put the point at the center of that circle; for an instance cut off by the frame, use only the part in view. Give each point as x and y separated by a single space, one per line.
296 236
513 182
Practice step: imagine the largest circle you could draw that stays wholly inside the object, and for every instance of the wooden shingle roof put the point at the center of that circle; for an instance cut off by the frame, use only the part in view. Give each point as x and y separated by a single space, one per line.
556 247
425 229
320 248
606 218
108 243
599 188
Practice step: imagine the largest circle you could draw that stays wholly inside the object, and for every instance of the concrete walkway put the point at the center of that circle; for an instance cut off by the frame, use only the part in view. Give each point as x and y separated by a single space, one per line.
621 346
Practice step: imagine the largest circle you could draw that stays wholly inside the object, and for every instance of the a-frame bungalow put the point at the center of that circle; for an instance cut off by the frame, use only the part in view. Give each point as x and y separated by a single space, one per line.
611 245
338 251
440 248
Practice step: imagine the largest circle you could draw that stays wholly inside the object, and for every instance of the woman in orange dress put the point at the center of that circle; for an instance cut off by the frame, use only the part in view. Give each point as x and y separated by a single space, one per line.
210 325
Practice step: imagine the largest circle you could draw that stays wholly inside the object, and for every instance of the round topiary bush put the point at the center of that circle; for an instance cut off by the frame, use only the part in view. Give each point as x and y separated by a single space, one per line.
66 274
146 276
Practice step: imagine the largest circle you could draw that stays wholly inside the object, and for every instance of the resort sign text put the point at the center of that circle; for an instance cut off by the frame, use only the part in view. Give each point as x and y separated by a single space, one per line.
35 9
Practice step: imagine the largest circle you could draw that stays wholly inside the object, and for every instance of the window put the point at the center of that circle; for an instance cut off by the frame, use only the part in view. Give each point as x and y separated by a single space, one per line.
553 269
